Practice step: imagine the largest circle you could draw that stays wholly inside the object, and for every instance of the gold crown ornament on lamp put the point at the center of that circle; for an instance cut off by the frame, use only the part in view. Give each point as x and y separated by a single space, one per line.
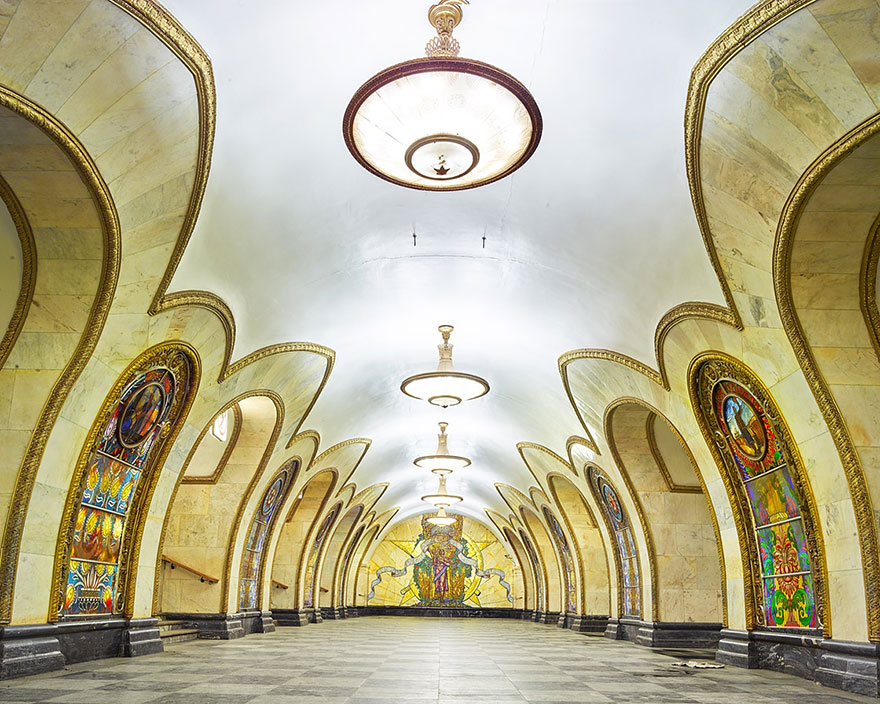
442 123
445 387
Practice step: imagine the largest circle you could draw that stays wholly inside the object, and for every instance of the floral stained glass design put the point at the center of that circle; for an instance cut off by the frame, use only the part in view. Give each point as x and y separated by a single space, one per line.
567 561
618 523
764 469
114 470
314 553
259 532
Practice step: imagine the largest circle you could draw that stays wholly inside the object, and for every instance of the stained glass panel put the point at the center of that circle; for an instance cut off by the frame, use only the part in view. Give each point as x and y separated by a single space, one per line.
261 525
773 497
618 524
761 459
113 472
314 553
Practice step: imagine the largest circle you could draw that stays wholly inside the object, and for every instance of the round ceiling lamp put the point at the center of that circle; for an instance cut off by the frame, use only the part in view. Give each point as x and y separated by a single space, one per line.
442 498
441 519
442 462
442 123
445 387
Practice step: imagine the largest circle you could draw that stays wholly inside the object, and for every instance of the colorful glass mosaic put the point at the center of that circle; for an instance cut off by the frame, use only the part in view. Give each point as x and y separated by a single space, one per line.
787 596
567 560
625 546
258 533
448 566
315 553
114 469
536 568
346 560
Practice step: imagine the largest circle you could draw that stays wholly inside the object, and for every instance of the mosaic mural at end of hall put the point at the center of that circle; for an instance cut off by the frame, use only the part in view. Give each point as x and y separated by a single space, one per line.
444 566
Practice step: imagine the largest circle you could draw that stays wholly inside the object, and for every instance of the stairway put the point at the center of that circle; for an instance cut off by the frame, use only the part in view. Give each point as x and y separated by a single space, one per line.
172 631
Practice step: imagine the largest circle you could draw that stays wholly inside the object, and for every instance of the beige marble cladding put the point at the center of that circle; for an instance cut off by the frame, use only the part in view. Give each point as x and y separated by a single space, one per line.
133 104
291 546
561 494
69 236
200 521
688 572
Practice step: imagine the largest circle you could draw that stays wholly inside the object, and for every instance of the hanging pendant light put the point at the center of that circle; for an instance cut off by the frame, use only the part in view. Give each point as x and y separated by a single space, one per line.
442 462
441 519
442 497
442 123
445 387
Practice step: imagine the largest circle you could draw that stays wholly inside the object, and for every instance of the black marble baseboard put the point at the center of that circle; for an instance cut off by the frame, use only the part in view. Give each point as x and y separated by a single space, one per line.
664 634
587 623
211 626
852 667
440 612
290 617
38 648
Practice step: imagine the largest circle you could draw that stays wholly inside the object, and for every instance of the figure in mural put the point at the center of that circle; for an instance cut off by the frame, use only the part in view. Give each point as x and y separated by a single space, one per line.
447 568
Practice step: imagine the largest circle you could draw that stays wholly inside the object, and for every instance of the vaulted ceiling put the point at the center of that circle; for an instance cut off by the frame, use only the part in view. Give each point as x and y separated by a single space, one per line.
587 245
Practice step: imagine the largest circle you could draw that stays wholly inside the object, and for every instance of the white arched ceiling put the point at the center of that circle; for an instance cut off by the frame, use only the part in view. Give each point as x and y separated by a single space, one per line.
586 246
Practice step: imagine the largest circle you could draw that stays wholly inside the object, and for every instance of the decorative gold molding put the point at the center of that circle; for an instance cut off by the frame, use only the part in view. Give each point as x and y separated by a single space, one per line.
129 551
320 516
566 522
165 27
745 30
259 471
214 477
741 509
655 413
359 498
28 269
791 323
105 289
578 440
637 501
520 446
338 446
650 422
868 286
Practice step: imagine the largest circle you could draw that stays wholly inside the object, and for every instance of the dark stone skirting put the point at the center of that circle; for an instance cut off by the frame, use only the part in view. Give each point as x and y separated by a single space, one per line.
664 634
34 649
853 667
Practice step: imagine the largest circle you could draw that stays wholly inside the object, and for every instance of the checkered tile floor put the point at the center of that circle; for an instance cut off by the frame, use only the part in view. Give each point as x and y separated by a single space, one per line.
385 660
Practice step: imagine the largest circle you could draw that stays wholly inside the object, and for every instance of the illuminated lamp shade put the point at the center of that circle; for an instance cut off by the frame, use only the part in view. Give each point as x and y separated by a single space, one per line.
441 519
445 387
442 123
442 498
442 462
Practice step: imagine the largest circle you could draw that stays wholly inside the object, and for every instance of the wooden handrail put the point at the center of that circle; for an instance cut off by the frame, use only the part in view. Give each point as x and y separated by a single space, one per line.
324 589
201 575
279 585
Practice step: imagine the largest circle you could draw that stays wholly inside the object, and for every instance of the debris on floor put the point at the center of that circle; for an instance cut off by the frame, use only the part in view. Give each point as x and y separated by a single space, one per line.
698 664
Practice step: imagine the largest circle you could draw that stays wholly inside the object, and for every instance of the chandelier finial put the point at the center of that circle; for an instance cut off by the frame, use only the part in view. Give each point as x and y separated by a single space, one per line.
444 16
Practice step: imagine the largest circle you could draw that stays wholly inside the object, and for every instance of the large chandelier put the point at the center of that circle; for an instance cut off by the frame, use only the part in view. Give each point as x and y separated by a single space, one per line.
440 518
442 123
442 462
442 499
445 387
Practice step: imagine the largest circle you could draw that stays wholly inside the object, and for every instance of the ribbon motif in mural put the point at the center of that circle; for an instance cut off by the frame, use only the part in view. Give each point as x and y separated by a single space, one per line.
447 571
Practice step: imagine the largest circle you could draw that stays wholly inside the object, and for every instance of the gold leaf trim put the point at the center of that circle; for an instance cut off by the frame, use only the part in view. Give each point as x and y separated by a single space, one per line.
868 285
129 552
28 269
106 287
741 510
791 323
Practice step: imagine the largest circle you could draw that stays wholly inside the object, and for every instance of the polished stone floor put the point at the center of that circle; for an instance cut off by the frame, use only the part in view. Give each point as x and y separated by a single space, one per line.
385 660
